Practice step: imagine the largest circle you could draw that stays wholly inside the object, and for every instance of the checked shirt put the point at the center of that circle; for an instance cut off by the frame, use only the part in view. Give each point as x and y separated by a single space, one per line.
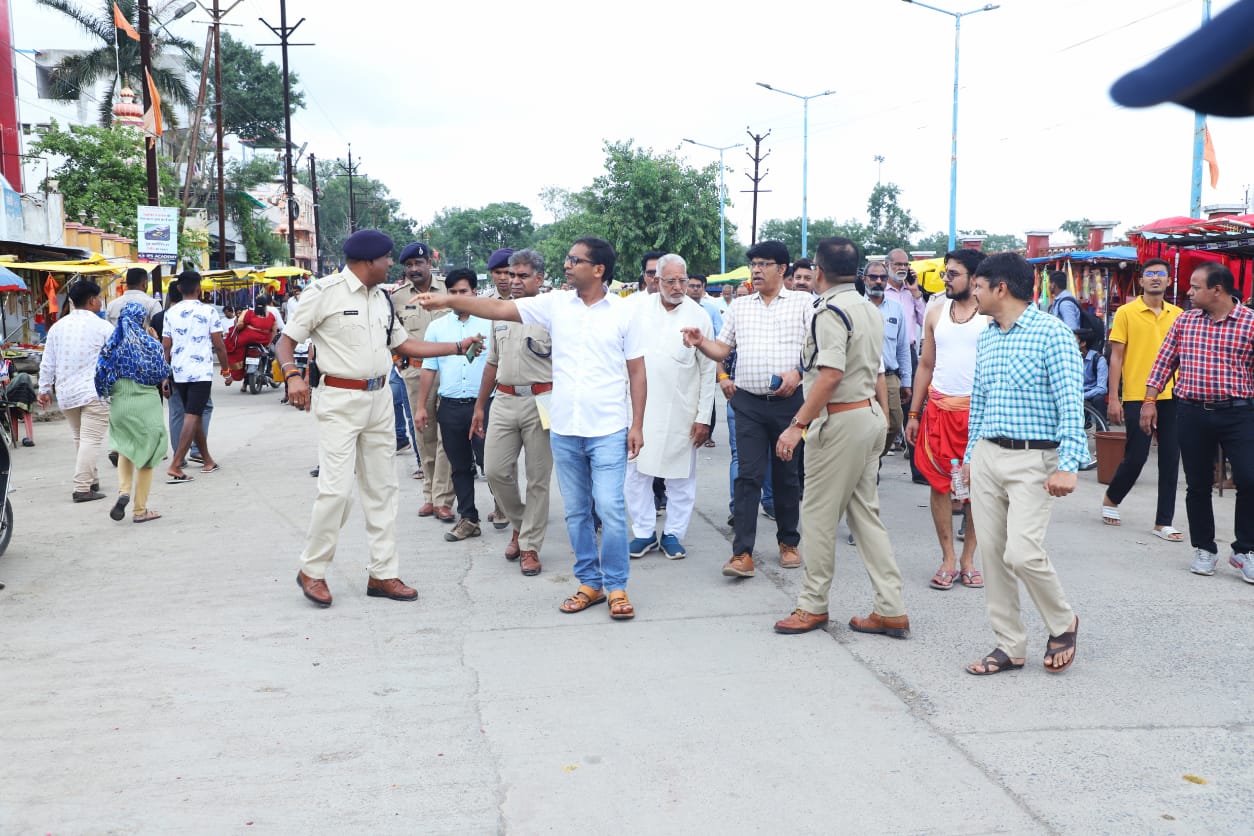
1029 386
767 338
1215 359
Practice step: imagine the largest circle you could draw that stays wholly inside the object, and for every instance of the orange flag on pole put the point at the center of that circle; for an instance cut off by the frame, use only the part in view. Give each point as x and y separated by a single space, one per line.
120 21
152 116
1208 154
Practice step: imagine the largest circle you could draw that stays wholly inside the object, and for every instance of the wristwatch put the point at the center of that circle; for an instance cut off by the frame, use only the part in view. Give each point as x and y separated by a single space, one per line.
795 423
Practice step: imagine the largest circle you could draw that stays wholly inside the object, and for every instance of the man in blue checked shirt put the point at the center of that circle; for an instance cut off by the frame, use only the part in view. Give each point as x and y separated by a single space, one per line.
459 387
1026 441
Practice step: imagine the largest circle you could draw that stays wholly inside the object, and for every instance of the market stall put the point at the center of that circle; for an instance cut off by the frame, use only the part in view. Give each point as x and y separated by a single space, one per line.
1188 242
1101 279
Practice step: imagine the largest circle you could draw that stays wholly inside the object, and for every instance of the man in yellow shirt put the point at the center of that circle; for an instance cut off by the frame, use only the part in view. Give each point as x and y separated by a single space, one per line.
1139 329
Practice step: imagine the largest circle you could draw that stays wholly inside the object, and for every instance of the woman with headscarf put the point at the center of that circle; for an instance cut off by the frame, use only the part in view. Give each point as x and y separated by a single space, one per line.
130 371
255 327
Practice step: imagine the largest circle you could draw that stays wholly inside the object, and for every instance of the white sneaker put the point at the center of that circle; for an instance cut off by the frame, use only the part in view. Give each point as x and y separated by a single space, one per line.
1244 563
1204 562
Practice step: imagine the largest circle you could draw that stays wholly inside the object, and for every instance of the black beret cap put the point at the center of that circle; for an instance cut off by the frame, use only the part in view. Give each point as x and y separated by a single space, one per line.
367 245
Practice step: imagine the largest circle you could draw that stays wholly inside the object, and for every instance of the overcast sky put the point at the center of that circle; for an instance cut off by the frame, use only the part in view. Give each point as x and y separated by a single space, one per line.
463 104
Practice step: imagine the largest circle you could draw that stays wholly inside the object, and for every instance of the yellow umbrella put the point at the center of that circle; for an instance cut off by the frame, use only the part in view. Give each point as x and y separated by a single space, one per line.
740 274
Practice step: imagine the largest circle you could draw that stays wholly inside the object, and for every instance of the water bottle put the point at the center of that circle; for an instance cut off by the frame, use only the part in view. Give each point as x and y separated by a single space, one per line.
958 486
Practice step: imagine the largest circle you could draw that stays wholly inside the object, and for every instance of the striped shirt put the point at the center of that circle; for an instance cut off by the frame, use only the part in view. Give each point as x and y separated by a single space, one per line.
1215 359
767 338
1029 386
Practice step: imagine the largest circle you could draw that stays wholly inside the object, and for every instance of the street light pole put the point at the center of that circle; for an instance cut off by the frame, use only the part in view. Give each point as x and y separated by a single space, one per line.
953 135
805 156
1199 144
722 200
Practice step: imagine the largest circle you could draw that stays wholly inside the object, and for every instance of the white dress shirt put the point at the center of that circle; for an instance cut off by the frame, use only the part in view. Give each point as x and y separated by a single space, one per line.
591 347
70 355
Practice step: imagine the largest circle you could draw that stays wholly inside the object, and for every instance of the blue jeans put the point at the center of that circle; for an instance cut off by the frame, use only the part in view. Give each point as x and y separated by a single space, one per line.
404 418
593 470
768 492
176 421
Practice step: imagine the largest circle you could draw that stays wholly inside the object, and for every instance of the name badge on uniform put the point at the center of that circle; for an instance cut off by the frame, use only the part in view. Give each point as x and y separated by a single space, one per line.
499 327
350 313
411 307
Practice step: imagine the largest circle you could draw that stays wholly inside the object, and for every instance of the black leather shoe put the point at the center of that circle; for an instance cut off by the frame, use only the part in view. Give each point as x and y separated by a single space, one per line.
86 496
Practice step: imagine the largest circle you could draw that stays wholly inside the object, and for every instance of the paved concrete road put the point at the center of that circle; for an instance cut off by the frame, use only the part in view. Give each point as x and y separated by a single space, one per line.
170 678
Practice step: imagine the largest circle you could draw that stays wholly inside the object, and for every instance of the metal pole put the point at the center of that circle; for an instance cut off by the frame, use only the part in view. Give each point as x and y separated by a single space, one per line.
352 204
150 144
223 263
805 172
722 215
1199 144
953 145
313 185
287 139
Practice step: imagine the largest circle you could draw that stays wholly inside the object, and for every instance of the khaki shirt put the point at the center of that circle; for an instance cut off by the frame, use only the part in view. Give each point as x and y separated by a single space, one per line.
519 362
349 325
857 354
414 318
493 293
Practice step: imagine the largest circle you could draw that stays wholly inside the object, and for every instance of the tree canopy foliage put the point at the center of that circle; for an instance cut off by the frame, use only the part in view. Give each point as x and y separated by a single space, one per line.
252 101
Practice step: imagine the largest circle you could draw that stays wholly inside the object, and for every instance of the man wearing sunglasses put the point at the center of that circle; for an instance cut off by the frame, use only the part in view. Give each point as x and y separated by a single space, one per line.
1140 327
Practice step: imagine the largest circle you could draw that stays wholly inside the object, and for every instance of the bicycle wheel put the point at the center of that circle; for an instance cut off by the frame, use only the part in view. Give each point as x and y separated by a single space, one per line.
1094 423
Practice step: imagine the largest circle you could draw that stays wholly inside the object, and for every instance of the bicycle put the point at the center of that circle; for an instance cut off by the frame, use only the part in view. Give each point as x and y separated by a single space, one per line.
1094 423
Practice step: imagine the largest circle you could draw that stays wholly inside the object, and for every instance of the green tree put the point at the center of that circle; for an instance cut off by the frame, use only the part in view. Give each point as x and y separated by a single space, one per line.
1077 229
456 232
376 209
252 100
938 242
890 224
102 172
263 245
650 201
78 73
553 241
789 231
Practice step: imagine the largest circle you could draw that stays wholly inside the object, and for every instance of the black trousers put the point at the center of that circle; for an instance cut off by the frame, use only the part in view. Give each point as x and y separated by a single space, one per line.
1136 452
759 423
1201 434
453 416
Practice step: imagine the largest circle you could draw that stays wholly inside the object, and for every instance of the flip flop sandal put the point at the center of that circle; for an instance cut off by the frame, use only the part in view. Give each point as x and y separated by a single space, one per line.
620 608
147 516
1168 533
1110 516
213 469
974 580
585 597
179 480
1062 643
943 580
999 658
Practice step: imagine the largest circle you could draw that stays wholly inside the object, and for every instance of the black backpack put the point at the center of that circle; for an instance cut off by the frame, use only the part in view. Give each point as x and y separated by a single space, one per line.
1092 323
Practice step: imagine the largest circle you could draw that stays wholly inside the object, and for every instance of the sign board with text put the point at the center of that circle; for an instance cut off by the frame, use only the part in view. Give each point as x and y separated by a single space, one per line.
157 233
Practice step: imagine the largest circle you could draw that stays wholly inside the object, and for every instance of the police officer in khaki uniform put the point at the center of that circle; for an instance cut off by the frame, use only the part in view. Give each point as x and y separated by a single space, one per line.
519 368
844 423
354 334
437 486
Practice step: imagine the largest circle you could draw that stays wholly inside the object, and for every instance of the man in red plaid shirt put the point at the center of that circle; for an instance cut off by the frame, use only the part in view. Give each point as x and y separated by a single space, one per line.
1212 348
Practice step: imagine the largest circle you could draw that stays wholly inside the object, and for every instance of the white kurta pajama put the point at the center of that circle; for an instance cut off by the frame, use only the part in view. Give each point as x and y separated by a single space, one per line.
680 388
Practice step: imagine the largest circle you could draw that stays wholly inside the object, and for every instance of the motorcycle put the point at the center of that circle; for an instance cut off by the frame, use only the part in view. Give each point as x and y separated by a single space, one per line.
259 369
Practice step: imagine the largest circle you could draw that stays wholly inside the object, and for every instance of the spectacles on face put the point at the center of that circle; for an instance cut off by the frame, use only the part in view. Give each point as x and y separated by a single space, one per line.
1155 274
954 274
575 261
876 277
673 282
762 265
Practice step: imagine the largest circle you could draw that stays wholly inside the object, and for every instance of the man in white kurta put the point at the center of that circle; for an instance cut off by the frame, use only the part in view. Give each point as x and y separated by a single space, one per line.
676 414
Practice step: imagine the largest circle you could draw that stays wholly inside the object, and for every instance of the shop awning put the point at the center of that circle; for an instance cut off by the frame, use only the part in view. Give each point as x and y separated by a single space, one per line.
11 282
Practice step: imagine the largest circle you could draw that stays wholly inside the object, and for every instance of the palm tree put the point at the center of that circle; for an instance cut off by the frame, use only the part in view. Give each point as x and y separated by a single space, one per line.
76 74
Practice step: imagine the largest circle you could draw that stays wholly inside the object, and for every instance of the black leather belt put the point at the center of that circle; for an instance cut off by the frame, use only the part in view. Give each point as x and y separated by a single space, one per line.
462 401
893 372
1215 406
1021 444
796 392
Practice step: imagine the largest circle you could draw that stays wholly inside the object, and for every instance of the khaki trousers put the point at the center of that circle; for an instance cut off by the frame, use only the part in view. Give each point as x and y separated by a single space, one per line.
1010 511
515 427
842 459
90 425
437 482
894 411
356 432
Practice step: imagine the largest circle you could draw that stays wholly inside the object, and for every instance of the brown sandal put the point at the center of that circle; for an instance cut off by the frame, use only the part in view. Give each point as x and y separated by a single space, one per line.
585 597
620 608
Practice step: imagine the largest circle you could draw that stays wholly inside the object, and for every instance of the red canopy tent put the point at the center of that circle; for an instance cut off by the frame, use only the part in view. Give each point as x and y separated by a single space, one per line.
1188 242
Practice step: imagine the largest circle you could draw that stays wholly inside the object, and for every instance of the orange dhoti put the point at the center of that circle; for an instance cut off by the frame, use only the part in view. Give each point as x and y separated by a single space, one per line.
942 437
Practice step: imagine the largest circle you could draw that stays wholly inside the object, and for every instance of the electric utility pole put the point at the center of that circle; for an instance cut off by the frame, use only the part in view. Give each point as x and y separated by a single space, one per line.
350 172
757 156
284 33
313 185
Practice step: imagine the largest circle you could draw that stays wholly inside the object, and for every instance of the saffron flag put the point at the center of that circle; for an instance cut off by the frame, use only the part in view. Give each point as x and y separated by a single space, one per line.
152 116
1208 154
50 294
120 21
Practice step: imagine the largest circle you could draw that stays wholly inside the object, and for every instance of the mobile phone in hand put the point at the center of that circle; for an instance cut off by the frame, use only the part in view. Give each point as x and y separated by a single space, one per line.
776 382
473 352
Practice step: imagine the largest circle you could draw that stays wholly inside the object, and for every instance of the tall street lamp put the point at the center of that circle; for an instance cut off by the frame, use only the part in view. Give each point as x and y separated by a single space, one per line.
805 154
953 140
722 201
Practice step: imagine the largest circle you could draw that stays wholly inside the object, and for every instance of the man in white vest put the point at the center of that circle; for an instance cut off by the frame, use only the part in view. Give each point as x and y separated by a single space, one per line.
676 413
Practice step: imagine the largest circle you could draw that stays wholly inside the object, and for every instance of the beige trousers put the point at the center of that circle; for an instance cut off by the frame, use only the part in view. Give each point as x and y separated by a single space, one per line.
894 412
356 432
90 425
437 482
513 427
1010 511
135 482
842 459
